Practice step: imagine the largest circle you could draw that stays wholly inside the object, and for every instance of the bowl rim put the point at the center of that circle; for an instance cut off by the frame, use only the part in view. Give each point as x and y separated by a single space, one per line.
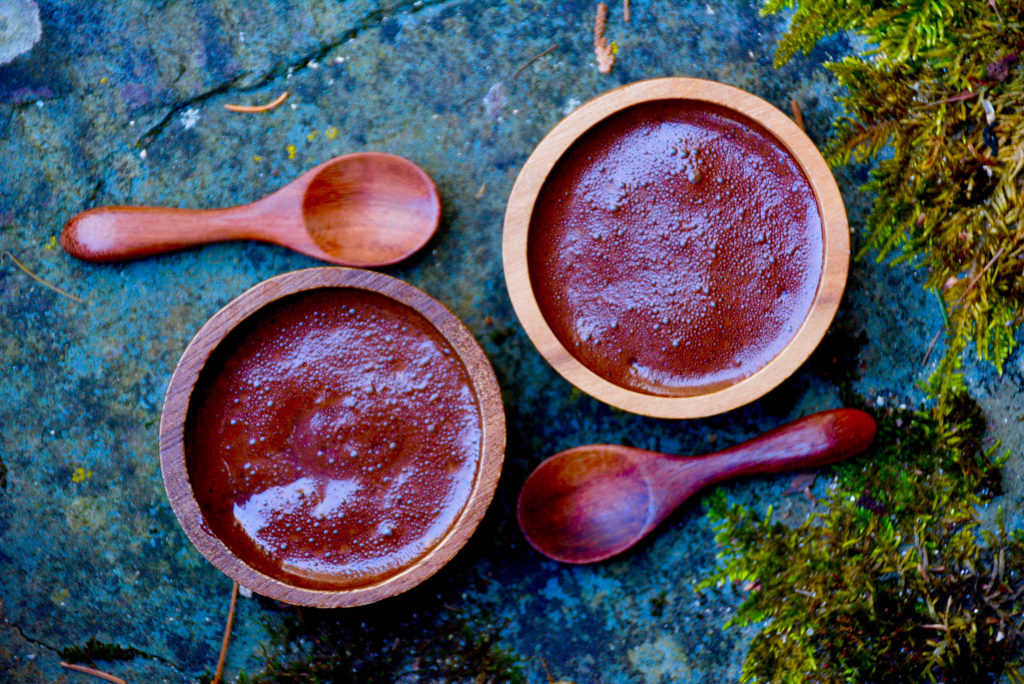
175 414
835 238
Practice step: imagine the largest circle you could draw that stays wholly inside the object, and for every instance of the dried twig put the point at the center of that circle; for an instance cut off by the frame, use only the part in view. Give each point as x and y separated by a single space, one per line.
534 59
809 495
928 352
799 483
960 97
983 158
975 279
798 116
625 11
39 280
227 634
95 673
995 8
250 109
602 50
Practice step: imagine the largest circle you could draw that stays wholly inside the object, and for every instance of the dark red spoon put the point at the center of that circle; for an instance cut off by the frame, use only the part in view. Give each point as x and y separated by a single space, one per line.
592 502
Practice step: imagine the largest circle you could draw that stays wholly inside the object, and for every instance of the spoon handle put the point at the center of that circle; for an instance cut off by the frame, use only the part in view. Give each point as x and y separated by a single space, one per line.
121 233
809 442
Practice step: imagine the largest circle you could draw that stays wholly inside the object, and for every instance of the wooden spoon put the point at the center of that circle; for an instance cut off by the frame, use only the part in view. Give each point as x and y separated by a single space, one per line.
364 209
592 502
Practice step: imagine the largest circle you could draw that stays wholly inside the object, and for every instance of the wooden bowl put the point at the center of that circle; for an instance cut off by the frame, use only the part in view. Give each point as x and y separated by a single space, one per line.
190 468
581 149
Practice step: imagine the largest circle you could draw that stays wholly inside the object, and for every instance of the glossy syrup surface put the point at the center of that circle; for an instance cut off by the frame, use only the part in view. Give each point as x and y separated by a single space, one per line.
675 248
333 439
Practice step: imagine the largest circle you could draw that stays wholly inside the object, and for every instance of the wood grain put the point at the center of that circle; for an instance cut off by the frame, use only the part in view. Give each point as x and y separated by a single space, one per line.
836 240
363 209
589 503
175 412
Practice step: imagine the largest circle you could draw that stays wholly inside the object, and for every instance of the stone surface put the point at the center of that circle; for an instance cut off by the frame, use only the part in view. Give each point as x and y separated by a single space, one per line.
122 103
19 28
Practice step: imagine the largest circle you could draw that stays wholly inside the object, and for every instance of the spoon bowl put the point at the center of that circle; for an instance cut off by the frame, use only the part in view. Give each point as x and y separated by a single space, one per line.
595 496
365 209
370 209
592 502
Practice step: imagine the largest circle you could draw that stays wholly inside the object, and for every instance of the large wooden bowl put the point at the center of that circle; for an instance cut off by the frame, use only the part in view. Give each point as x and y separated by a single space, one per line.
545 159
174 424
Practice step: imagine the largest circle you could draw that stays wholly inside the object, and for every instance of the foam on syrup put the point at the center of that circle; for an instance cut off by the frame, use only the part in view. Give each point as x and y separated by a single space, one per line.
675 248
333 439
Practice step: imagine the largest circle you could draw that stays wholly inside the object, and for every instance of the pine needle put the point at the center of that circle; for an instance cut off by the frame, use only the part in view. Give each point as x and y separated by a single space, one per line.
533 59
39 280
93 672
975 279
227 634
931 346
252 109
798 116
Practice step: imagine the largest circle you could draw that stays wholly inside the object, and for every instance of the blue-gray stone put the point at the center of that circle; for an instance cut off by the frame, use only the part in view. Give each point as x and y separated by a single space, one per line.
121 102
20 28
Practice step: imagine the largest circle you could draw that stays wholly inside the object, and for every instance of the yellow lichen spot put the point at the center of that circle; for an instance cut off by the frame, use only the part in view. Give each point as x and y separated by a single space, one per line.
331 133
257 158
52 242
87 513
311 137
291 151
80 474
59 595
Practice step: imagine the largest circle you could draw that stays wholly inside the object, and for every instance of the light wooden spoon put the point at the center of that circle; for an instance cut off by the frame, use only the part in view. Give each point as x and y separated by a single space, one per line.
363 209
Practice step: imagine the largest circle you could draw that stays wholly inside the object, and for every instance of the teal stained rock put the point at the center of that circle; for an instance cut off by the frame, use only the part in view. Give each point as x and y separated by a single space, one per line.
121 102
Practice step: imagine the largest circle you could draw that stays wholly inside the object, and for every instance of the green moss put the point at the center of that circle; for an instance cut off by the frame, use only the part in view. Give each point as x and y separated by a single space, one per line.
386 644
893 579
95 650
937 100
658 604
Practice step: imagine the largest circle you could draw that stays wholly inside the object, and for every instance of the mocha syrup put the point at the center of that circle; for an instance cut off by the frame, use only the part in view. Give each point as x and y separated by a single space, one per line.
675 248
334 439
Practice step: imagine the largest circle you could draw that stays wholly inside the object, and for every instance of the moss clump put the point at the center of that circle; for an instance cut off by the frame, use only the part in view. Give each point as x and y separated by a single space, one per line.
937 99
95 650
894 579
354 645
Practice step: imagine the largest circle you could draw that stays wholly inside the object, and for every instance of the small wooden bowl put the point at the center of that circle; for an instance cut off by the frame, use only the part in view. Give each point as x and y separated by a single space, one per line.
523 203
176 415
